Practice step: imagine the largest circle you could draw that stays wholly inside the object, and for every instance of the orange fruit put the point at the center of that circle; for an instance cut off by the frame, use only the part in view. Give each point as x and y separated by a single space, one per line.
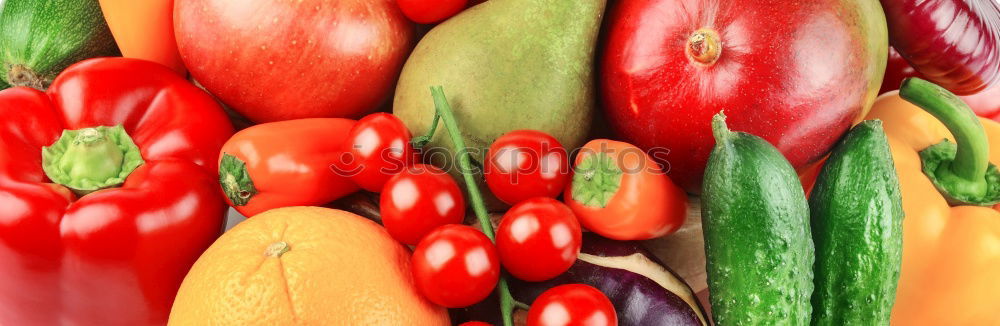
304 266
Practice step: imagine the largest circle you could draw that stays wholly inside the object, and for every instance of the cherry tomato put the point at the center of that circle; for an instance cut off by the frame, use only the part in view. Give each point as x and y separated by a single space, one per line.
418 200
379 147
430 11
525 164
572 304
455 266
474 323
538 239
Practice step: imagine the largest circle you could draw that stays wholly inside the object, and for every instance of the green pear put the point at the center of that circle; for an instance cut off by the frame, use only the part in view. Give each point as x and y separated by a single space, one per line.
505 65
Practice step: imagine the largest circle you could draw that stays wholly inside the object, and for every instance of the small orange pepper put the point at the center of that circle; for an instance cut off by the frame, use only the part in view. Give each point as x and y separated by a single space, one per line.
144 29
951 231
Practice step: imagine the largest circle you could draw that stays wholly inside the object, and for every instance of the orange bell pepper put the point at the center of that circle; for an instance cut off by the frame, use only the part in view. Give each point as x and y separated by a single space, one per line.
951 232
144 29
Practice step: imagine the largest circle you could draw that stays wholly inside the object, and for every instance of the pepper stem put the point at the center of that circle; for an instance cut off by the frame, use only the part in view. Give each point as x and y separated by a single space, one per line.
91 159
235 180
596 180
962 173
443 110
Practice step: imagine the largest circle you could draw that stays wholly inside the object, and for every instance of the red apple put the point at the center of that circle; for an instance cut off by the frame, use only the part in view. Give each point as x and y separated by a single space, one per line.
279 60
796 73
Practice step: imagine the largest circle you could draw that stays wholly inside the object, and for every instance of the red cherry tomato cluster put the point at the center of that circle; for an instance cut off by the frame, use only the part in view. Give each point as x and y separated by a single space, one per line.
539 238
455 265
525 164
572 304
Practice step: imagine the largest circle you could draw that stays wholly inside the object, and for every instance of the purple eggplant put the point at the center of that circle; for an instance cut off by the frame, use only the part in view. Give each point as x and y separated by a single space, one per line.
643 289
954 43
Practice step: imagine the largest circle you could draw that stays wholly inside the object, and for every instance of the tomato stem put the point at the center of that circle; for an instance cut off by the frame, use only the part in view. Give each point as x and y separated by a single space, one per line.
443 110
422 140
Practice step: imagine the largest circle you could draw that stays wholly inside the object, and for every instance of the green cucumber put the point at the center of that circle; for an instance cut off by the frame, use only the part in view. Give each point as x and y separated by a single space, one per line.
756 225
857 216
40 38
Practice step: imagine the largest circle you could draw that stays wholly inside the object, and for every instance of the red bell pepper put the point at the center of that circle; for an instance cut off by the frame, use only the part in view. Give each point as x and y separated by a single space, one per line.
84 238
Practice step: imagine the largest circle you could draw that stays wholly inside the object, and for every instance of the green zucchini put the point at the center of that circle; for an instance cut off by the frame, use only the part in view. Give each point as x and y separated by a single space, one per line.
857 216
756 225
40 38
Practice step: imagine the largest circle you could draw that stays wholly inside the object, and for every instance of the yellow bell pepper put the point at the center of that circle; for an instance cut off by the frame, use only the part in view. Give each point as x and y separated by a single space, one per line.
951 231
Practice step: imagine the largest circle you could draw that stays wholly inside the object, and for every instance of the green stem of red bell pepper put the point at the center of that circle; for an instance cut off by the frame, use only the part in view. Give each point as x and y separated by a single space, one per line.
962 172
90 159
443 110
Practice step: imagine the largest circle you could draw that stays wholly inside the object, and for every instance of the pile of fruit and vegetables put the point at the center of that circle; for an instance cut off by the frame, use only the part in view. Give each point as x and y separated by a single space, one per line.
499 162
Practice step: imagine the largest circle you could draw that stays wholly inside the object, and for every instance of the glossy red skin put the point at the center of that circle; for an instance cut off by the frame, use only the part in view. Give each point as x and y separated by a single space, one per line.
379 147
953 43
790 72
116 256
446 279
474 323
290 163
418 200
583 304
281 60
543 172
985 103
538 239
430 11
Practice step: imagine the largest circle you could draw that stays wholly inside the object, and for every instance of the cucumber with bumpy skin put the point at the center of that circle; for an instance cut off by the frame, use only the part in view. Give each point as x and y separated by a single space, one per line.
757 238
857 216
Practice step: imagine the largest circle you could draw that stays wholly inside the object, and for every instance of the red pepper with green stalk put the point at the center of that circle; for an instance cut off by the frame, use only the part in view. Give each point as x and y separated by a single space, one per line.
108 193
285 163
